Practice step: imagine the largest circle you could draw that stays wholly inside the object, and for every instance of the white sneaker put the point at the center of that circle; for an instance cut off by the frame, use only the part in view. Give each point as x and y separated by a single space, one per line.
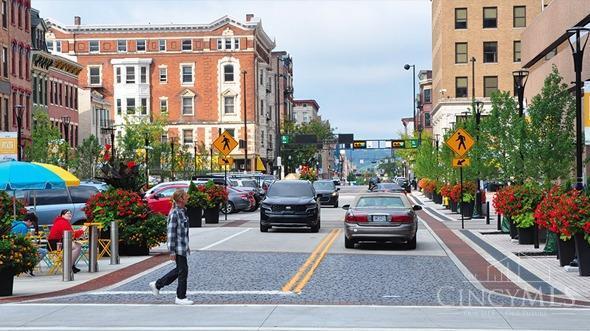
155 290
184 302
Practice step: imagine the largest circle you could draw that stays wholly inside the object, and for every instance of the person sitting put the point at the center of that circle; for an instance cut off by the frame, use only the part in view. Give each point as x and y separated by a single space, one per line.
22 228
61 224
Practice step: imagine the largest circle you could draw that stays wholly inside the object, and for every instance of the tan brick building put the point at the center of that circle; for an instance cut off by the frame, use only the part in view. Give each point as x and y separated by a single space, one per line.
194 74
488 31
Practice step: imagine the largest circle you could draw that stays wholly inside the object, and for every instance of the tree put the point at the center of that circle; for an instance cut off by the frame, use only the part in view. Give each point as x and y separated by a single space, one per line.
45 146
303 154
88 154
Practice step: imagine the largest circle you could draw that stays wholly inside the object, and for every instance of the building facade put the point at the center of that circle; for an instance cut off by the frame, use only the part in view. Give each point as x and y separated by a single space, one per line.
476 45
425 101
200 77
305 111
282 93
94 115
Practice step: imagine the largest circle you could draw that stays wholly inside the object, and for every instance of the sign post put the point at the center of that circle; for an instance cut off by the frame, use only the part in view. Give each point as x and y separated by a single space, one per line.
460 142
225 143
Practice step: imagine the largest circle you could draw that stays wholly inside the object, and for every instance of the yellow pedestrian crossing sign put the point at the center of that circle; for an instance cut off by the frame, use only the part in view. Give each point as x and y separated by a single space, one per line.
460 142
225 143
461 162
225 161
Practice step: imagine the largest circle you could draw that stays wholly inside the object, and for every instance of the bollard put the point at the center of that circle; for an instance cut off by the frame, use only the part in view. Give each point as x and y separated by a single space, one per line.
499 222
487 212
114 242
93 249
536 235
68 273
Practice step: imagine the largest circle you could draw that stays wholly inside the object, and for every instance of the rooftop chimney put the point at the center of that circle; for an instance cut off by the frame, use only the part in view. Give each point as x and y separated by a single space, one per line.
77 20
249 17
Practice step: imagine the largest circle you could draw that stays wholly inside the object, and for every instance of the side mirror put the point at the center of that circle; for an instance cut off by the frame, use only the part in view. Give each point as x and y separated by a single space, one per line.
417 207
346 207
337 189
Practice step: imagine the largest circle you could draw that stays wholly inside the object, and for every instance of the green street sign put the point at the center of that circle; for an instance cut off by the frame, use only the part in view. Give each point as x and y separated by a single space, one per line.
284 139
413 143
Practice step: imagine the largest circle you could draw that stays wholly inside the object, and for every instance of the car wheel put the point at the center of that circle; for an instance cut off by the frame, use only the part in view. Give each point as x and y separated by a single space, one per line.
230 208
264 228
336 204
254 207
411 244
348 243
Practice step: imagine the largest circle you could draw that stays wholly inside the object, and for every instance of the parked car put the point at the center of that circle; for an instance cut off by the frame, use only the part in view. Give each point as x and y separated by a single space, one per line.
405 183
238 200
159 200
101 186
327 192
164 184
388 187
336 181
382 217
47 204
290 203
249 185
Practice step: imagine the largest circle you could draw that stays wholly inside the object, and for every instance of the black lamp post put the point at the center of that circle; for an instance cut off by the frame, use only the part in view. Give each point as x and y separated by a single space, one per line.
147 163
66 123
245 124
19 122
110 128
195 156
578 47
478 211
520 79
407 67
172 143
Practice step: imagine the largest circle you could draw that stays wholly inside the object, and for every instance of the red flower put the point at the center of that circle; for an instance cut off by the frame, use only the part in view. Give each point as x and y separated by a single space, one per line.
131 164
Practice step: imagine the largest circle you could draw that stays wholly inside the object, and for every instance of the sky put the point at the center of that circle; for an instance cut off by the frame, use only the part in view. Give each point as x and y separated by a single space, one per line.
347 55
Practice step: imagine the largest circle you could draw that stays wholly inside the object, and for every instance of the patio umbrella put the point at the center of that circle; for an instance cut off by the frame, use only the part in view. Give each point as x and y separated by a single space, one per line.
67 176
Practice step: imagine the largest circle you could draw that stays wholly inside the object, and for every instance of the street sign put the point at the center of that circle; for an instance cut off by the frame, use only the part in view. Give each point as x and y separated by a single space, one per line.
284 139
225 143
359 144
461 162
8 146
460 142
225 161
259 165
413 143
398 144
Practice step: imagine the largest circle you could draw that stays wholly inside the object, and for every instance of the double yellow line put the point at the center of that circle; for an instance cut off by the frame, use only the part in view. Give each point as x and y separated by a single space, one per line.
303 275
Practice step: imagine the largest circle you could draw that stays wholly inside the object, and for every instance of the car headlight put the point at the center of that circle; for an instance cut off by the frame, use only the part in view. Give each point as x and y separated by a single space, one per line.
334 194
265 206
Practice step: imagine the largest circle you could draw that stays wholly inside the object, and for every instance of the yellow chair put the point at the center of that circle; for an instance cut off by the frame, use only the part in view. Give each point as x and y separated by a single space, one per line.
54 260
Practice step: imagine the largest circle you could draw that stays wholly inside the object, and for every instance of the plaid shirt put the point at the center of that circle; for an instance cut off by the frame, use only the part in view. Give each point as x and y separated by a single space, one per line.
178 232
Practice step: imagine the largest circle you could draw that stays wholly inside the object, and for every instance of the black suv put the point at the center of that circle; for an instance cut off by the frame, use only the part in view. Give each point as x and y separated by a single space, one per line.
290 203
327 192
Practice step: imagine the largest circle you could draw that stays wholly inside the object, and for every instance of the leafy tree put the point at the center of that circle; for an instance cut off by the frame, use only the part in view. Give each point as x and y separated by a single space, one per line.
88 154
45 146
304 154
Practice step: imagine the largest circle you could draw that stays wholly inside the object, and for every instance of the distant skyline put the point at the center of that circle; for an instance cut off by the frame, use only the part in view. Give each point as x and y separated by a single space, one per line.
347 55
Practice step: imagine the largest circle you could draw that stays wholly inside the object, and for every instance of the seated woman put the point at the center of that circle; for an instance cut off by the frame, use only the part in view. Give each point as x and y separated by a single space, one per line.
22 228
61 224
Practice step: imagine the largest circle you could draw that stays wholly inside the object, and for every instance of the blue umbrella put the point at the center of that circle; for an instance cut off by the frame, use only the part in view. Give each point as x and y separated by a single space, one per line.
16 176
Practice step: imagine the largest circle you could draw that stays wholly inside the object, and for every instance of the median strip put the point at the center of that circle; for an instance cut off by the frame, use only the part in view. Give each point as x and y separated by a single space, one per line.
301 278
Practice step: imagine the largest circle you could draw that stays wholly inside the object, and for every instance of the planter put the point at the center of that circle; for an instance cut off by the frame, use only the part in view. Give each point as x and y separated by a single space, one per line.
437 198
525 235
453 206
467 209
6 282
133 249
212 215
566 251
513 229
195 216
583 254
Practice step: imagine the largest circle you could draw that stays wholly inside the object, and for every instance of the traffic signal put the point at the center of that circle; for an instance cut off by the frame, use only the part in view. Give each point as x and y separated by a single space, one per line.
359 144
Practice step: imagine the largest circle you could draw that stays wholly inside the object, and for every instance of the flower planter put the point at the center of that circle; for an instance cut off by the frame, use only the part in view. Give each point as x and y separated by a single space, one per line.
566 251
583 254
131 249
437 198
212 215
513 229
453 206
467 209
525 236
195 216
6 283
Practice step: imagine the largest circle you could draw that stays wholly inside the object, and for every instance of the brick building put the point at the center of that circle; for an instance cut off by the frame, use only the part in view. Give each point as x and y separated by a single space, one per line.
425 101
305 111
194 75
282 93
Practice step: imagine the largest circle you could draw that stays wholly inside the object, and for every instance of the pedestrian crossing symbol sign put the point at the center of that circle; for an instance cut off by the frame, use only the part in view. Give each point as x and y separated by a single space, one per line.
460 142
225 143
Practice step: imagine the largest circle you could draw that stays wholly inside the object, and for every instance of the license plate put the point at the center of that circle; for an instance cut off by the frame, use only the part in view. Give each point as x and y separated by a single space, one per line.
379 218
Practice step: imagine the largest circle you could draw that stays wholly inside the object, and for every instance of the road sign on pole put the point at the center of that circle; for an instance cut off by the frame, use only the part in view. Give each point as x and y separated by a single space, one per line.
225 143
460 142
225 161
461 162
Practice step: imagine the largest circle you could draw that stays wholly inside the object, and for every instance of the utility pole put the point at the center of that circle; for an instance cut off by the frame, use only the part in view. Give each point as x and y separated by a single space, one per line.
245 125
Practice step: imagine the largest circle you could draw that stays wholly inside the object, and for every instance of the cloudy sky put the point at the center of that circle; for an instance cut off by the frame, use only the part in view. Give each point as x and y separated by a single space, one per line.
348 55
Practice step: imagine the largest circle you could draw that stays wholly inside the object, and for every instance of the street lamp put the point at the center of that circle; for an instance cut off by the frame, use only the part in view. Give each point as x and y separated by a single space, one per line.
245 125
66 123
578 47
407 67
477 110
110 128
19 121
520 79
147 167
172 142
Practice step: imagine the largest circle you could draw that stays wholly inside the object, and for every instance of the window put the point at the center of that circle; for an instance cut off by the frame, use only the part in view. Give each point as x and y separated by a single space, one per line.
58 46
187 45
228 73
460 87
81 194
236 43
427 120
187 105
140 45
118 75
94 75
261 76
4 14
93 46
227 43
427 96
19 15
130 106
130 75
261 107
119 107
490 17
460 18
51 197
4 61
519 13
121 45
187 136
219 43
163 75
187 73
143 75
490 85
262 138
228 103
490 52
144 106
5 107
49 45
163 105
516 47
460 52
162 45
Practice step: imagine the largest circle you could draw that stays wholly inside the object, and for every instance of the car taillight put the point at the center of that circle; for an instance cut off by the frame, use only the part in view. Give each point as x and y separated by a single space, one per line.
356 218
244 197
402 219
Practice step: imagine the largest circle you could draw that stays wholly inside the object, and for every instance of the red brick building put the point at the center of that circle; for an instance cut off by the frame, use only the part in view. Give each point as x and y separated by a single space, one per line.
425 101
193 74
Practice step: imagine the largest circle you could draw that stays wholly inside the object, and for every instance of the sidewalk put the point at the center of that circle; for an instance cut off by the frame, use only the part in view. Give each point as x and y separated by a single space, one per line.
534 273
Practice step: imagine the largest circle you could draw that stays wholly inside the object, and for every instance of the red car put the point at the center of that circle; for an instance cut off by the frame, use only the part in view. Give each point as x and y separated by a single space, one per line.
160 200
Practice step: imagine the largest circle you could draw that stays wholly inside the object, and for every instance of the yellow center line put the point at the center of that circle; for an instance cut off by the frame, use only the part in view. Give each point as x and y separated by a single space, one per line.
317 262
288 286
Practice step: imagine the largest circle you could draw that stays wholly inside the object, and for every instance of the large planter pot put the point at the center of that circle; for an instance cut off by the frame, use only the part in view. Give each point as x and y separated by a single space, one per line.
437 198
583 254
131 249
6 283
212 215
566 251
513 229
453 206
467 209
195 216
525 236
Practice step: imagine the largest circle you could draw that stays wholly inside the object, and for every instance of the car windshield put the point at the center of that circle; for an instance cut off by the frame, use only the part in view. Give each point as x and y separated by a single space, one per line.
388 186
323 185
249 183
380 202
290 189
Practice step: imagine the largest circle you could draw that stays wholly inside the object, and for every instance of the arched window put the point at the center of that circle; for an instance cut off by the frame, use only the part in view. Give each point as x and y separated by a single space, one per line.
228 73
